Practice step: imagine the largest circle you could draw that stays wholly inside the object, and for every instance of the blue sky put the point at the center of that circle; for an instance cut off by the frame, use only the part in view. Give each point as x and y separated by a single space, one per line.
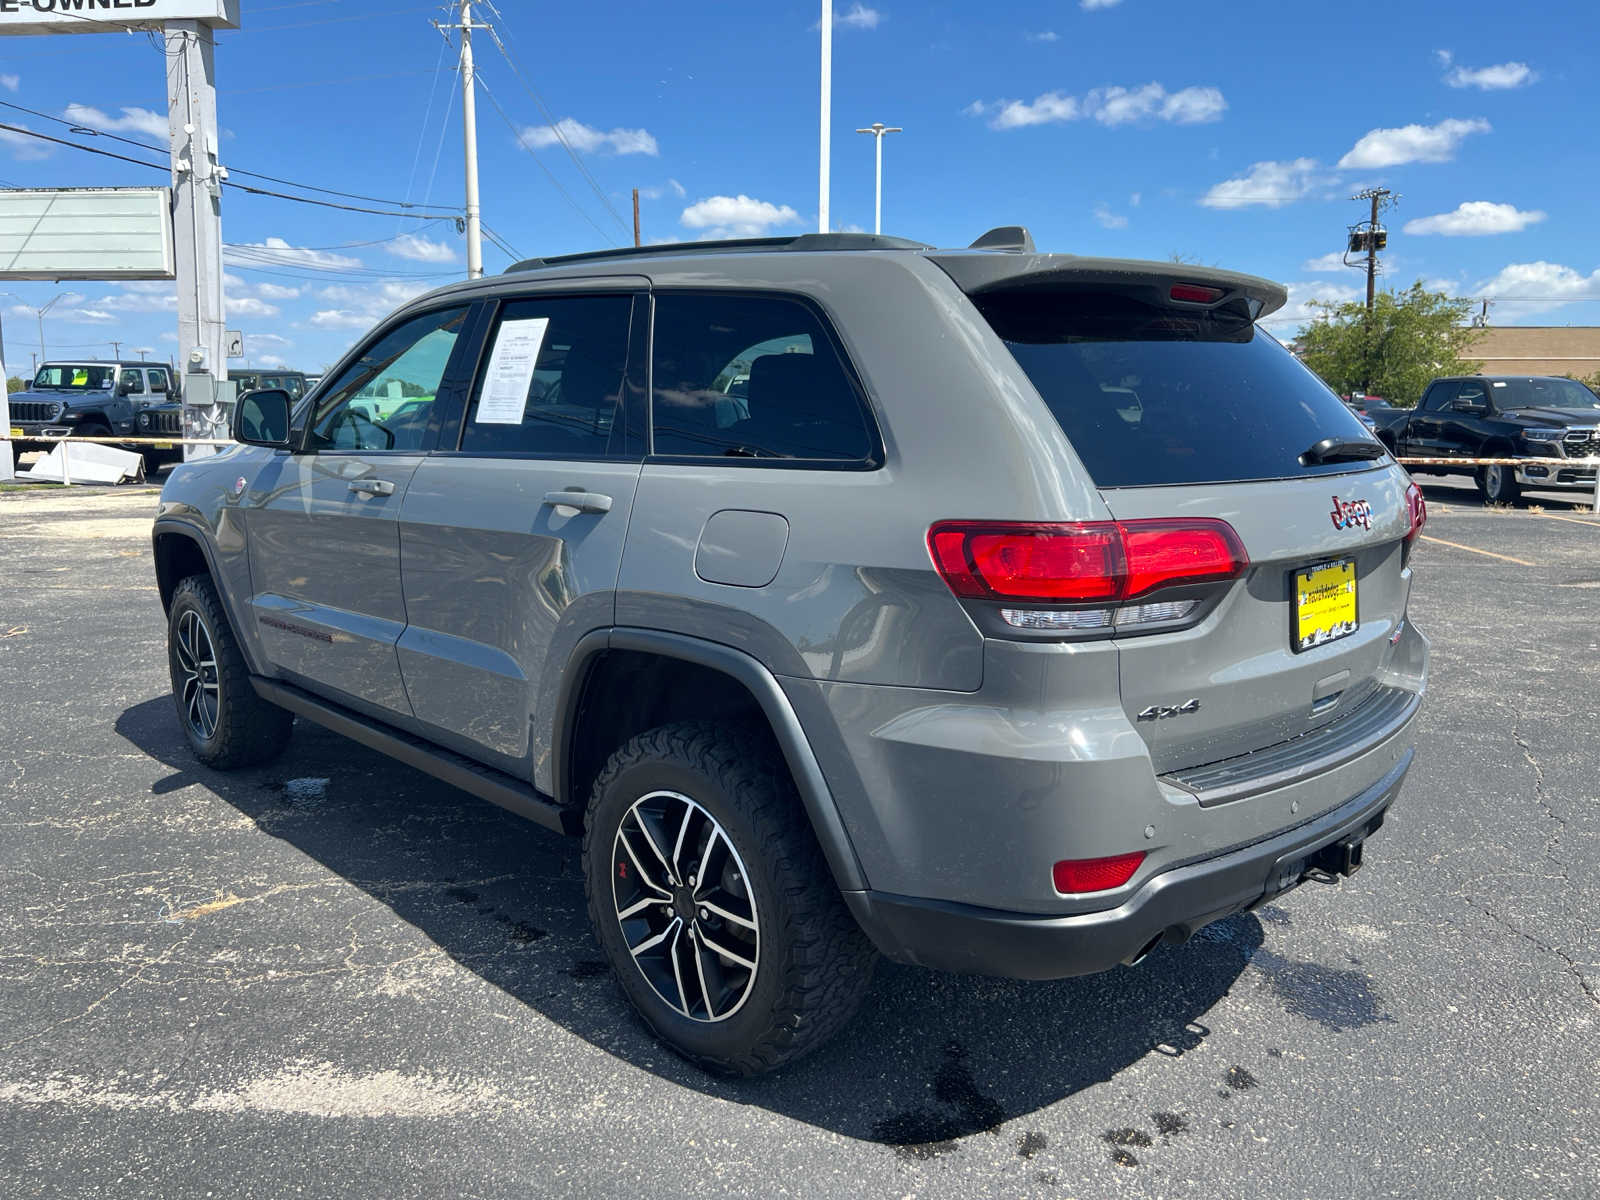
1231 134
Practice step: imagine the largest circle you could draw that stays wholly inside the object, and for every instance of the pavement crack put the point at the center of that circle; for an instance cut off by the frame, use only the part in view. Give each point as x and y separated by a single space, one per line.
1567 960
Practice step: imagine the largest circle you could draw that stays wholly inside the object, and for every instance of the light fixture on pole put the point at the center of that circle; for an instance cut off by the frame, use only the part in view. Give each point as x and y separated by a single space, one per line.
825 116
877 129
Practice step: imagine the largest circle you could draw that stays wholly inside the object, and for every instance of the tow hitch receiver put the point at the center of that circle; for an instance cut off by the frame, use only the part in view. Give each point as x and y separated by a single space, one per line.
1342 858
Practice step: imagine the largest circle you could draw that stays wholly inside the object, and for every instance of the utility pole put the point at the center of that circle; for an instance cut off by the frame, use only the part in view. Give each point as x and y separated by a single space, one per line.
197 179
469 130
877 129
116 350
826 116
1372 239
635 216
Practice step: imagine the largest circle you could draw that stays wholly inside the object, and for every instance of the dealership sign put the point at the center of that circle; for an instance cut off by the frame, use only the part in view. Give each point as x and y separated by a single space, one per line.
96 16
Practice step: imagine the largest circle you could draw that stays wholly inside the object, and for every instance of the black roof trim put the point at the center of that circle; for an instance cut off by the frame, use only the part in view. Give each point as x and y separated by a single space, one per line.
805 241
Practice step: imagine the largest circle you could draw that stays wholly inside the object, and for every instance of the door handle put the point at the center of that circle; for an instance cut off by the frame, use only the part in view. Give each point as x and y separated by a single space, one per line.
589 502
372 487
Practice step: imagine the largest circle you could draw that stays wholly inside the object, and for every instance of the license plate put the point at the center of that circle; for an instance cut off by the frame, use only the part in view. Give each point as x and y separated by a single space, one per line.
163 446
1324 604
15 432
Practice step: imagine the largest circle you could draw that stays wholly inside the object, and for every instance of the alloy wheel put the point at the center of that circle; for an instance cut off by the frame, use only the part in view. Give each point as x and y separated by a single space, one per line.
198 694
684 904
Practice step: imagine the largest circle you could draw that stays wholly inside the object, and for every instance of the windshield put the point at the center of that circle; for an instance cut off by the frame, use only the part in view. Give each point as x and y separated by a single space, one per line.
1152 396
75 377
1543 393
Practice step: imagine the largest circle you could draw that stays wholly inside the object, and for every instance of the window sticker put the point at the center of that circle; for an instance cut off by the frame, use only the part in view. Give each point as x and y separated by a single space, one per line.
504 396
1498 383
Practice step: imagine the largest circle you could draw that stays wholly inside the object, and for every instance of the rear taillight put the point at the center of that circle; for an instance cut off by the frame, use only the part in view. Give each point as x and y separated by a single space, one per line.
1075 875
1417 509
1097 567
1195 293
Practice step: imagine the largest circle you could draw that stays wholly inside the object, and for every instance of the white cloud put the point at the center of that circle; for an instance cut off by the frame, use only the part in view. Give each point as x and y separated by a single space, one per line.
337 318
1542 285
23 147
1134 199
857 16
1300 311
1109 219
1411 143
270 360
1272 184
1092 5
1111 106
132 120
678 189
422 249
10 82
249 306
269 339
1500 77
142 301
1332 261
1120 106
586 139
275 252
276 291
1476 218
1044 35
737 216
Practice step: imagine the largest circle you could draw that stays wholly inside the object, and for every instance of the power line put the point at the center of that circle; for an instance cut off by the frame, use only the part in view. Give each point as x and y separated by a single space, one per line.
554 125
521 141
116 137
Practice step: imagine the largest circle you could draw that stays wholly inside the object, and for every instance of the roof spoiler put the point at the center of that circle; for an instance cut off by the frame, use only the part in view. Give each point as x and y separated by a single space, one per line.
1163 284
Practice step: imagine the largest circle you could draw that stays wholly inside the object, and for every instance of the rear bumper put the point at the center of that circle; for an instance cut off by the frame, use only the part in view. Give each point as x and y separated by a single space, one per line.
1170 906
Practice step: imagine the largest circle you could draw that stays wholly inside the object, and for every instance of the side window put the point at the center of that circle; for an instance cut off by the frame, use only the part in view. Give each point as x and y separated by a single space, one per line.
1472 392
552 379
1436 397
158 380
385 400
133 381
751 376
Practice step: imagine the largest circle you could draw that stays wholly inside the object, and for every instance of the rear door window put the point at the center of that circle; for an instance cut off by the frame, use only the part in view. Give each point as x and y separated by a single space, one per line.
752 377
551 383
1151 396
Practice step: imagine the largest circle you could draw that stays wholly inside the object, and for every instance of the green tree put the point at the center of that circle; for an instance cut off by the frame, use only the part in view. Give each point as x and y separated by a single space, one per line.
16 385
1409 338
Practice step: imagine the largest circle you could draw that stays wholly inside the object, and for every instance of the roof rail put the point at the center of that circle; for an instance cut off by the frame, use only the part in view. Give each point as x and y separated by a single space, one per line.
804 241
1005 237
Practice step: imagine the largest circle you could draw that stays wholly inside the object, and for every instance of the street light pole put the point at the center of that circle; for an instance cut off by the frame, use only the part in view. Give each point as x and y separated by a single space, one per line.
825 116
40 312
877 129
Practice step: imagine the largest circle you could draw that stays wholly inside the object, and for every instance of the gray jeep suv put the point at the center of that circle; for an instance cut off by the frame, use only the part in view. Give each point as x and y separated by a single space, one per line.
1019 613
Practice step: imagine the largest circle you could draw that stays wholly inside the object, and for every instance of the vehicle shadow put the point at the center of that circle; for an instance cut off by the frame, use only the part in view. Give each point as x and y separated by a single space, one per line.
1463 490
931 1057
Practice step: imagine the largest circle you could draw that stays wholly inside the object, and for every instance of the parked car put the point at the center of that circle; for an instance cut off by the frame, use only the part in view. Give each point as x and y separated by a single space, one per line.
88 398
1502 416
1002 630
293 382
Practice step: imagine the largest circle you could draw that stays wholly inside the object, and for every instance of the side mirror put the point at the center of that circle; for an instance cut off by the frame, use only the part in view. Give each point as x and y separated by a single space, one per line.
262 419
129 386
1469 406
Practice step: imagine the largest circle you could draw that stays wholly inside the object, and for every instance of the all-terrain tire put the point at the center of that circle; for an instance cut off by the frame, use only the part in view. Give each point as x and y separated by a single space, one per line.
244 730
1499 485
813 964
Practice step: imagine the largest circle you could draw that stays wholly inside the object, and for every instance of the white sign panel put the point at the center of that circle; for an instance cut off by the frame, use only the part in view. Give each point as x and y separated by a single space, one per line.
505 387
95 16
86 233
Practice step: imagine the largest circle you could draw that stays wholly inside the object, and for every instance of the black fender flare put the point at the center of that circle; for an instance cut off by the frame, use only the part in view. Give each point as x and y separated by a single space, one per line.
763 688
197 535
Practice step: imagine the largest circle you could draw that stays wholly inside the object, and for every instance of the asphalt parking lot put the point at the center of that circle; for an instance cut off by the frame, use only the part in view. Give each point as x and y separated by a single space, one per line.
335 977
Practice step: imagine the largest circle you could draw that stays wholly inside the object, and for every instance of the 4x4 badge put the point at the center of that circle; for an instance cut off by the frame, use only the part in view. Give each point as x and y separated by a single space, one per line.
1160 712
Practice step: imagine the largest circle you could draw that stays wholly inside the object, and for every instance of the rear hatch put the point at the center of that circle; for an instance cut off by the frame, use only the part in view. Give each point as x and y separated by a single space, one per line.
1181 407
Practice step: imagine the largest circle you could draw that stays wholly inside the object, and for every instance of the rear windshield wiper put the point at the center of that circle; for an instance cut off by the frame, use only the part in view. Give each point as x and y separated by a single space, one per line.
1342 450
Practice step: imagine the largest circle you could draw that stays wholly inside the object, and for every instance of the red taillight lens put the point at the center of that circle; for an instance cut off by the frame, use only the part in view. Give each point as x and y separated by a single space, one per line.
1194 293
1417 508
1161 553
1098 562
1095 874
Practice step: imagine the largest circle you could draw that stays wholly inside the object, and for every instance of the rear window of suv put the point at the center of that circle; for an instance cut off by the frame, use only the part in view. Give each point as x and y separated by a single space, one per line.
1153 396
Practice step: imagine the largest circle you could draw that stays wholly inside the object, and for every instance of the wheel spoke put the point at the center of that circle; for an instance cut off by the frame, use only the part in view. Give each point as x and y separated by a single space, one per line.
644 828
644 876
637 907
677 970
731 917
677 846
651 942
746 963
700 973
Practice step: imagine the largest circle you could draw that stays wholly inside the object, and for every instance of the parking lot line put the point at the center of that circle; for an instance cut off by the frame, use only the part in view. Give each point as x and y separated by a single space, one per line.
1521 562
1572 520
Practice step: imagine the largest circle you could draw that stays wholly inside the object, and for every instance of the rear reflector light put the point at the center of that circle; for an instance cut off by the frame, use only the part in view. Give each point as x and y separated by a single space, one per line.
1194 293
1102 563
1417 508
1075 875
